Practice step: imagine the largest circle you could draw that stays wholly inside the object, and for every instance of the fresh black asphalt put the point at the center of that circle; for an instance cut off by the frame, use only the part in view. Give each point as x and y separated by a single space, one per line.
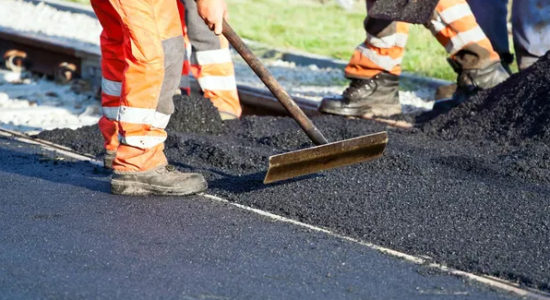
469 188
63 236
476 205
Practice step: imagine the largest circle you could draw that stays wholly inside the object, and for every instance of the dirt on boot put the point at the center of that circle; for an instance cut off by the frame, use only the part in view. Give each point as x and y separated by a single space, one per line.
161 181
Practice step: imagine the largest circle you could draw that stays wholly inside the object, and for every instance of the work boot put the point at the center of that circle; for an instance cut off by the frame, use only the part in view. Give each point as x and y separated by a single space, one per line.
108 159
376 96
473 80
164 180
470 81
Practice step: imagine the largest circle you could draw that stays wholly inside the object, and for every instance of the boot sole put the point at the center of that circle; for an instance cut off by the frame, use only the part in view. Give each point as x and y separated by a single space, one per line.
377 111
383 111
353 112
134 188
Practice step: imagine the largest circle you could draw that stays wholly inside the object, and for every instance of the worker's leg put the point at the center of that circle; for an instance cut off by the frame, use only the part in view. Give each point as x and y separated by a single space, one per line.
212 64
531 29
382 51
185 81
153 47
112 67
491 15
373 69
471 54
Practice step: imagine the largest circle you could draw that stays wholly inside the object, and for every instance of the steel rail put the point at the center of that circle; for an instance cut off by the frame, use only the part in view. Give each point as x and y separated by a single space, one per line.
46 56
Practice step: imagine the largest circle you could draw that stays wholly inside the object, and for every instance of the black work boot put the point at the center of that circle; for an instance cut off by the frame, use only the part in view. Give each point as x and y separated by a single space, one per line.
164 180
377 96
470 81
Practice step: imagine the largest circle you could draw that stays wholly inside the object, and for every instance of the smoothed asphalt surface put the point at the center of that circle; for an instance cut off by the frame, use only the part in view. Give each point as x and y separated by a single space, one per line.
63 236
475 205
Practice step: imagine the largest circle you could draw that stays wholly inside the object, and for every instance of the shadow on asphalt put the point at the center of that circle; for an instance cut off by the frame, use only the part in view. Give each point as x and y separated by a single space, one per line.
51 167
240 183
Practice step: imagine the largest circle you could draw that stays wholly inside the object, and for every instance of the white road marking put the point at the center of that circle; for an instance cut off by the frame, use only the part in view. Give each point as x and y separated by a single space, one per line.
488 280
494 282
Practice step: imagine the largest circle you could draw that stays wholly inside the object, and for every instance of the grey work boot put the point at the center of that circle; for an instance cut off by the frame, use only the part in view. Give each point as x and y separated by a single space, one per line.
481 79
164 180
470 81
377 96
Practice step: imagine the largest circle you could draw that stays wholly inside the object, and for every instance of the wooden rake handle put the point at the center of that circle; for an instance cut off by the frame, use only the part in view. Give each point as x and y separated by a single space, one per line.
256 65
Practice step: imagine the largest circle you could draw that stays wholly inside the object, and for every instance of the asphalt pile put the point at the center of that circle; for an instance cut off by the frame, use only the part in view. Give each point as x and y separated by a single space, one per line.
194 115
191 115
516 112
471 202
85 140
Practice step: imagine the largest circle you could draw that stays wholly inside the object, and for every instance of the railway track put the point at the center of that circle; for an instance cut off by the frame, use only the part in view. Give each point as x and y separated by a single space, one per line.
65 62
65 58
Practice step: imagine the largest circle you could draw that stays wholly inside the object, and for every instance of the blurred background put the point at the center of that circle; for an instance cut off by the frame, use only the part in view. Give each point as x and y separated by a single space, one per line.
330 28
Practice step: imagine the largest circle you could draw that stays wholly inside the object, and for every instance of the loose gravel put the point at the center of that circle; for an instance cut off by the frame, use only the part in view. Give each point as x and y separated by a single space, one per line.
75 29
411 12
32 104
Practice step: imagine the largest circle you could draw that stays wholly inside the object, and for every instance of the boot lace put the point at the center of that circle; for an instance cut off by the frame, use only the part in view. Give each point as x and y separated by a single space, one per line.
355 85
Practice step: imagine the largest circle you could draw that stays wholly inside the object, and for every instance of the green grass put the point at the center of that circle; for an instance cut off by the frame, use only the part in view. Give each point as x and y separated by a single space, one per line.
303 25
425 56
328 30
309 26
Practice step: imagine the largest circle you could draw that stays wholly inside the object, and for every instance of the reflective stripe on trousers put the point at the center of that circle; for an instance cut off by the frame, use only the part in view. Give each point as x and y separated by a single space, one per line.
137 92
453 24
211 63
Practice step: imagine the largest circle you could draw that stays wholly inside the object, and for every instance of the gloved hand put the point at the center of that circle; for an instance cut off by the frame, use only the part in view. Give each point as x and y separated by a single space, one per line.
213 12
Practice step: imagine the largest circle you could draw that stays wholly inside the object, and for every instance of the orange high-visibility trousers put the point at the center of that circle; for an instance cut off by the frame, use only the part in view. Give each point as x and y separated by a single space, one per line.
453 25
142 45
211 63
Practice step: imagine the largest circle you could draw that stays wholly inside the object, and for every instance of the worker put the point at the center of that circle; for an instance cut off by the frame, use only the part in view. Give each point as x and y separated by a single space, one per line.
375 65
531 32
211 64
141 45
530 28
